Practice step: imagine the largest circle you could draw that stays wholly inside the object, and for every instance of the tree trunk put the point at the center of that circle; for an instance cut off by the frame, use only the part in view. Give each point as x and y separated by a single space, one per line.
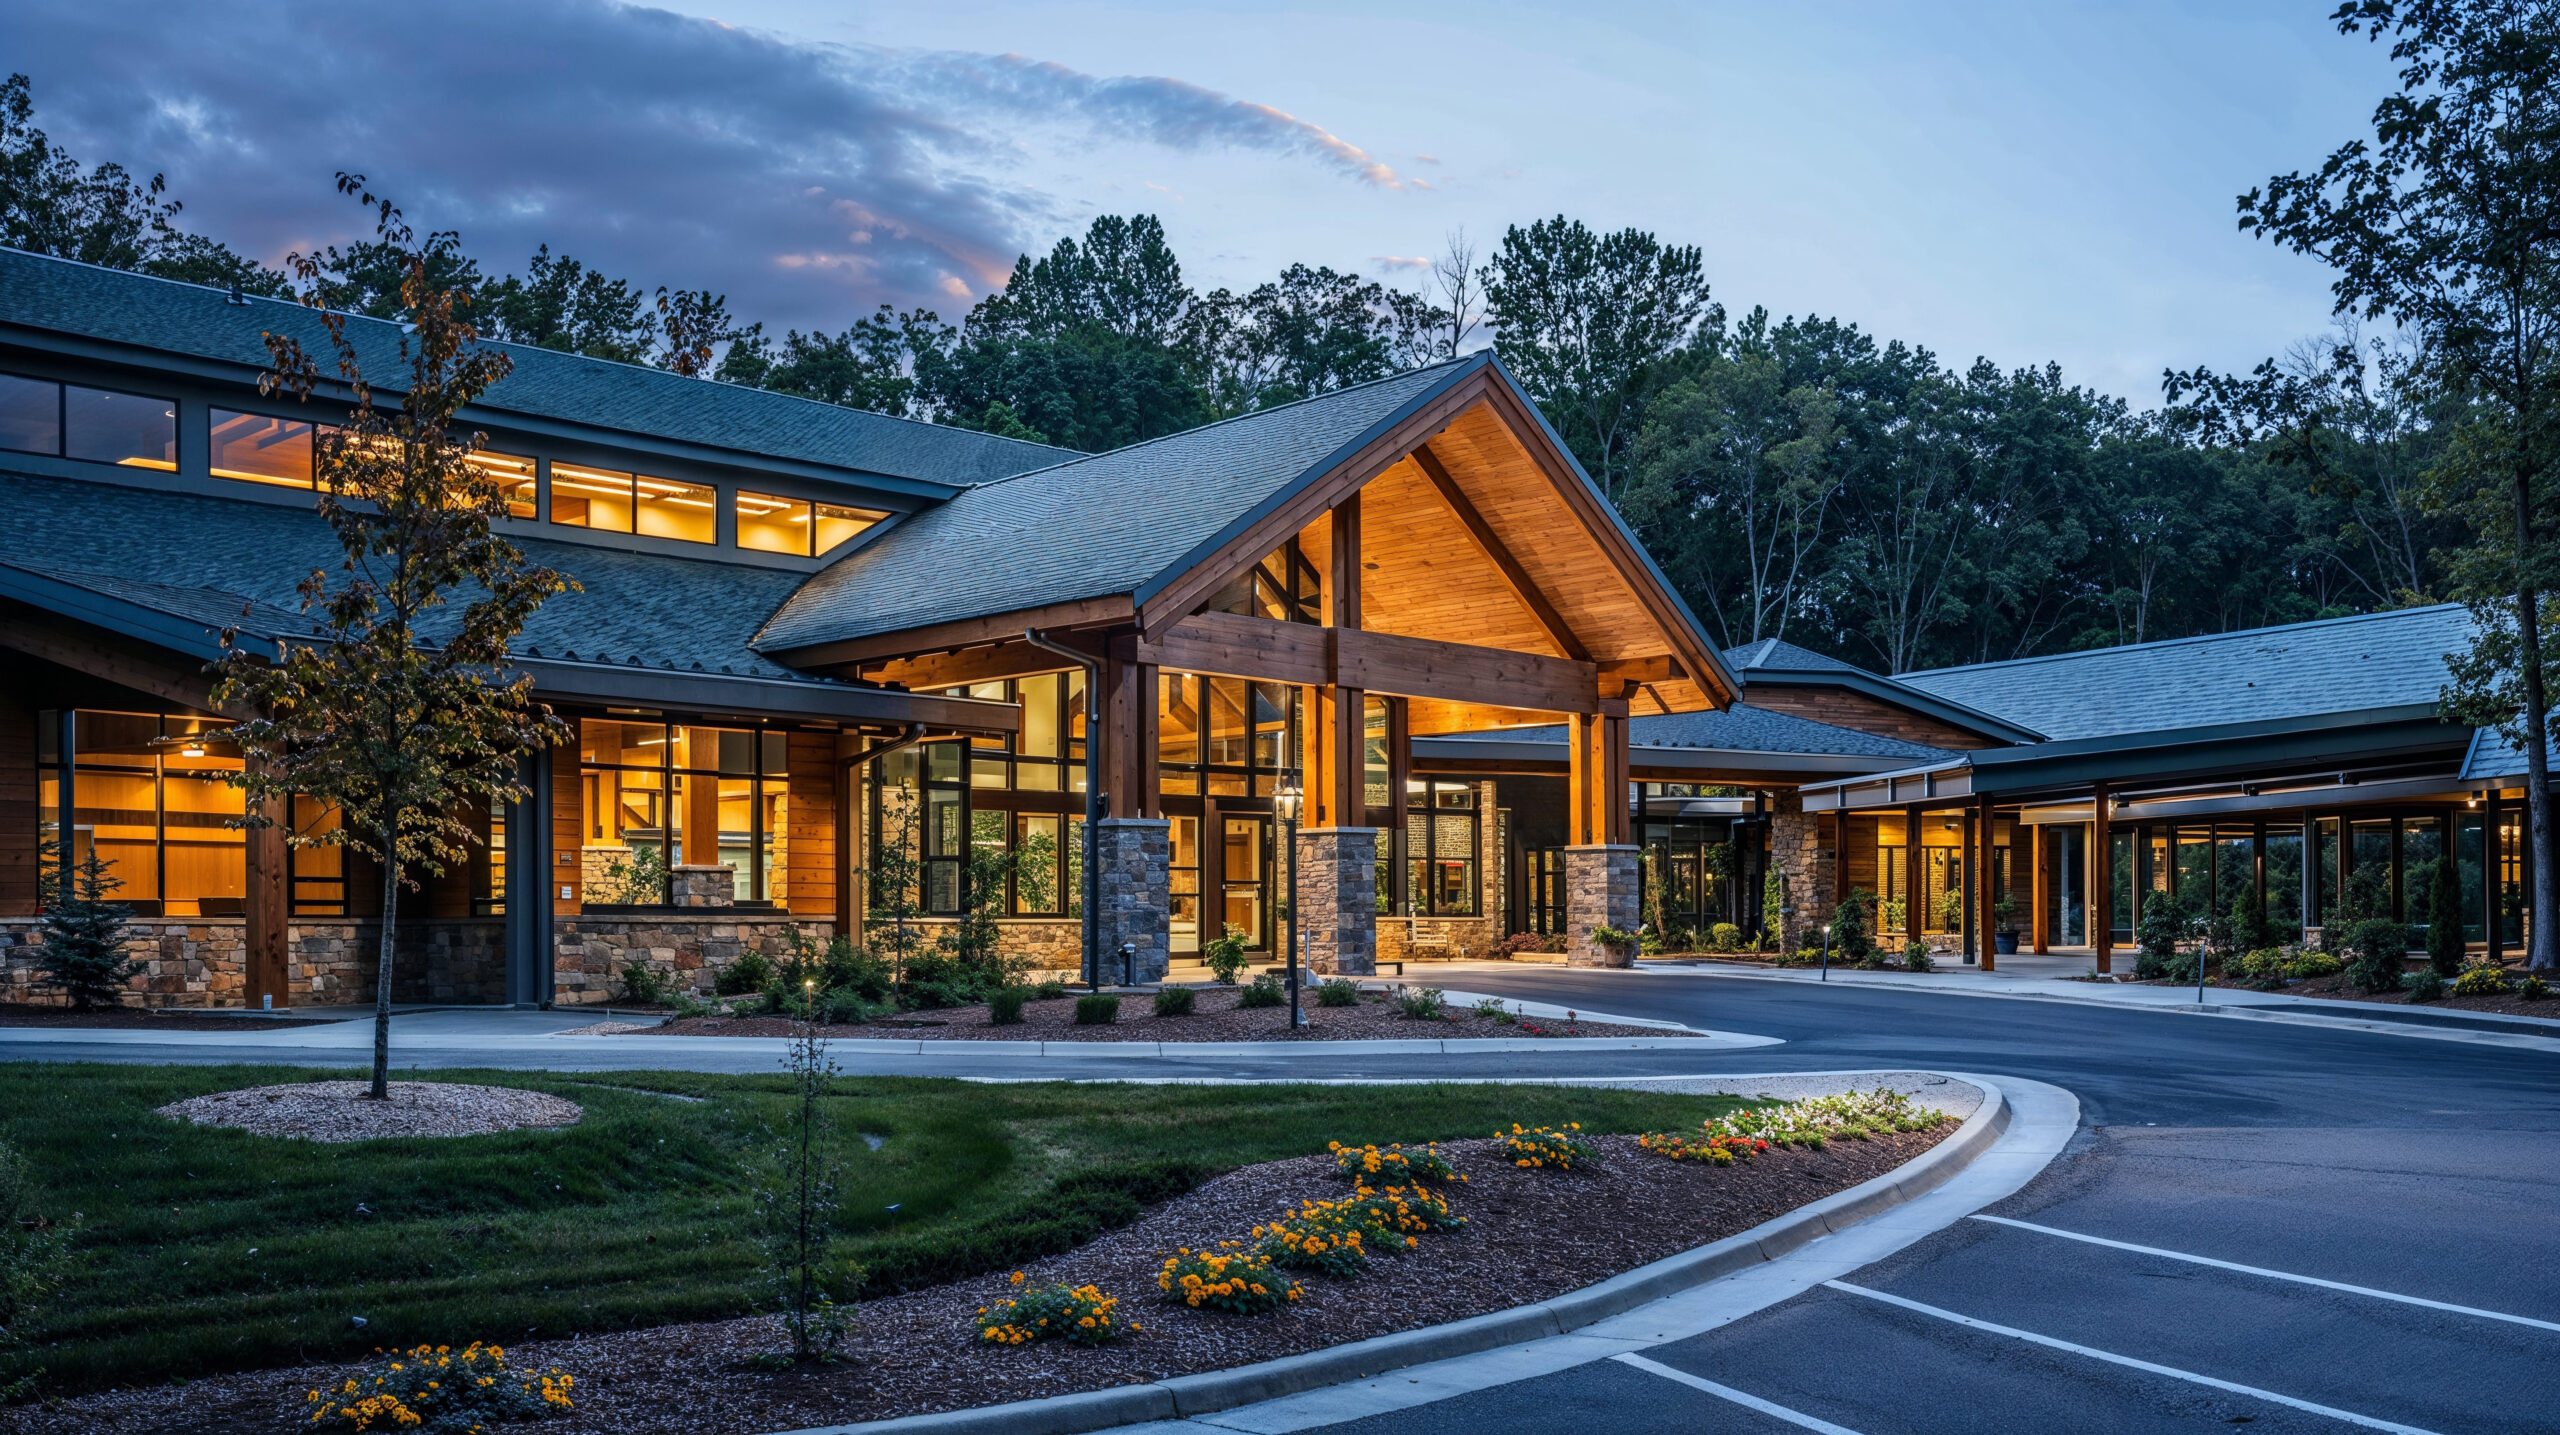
2540 953
382 979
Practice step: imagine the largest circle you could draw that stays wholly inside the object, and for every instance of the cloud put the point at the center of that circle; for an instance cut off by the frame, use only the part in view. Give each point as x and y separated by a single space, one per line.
807 181
1399 261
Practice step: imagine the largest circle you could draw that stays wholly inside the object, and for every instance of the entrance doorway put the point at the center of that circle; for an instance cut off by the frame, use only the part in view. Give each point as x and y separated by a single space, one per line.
1245 879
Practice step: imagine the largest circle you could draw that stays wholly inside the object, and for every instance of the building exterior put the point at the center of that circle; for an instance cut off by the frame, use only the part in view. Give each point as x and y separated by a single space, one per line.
1397 621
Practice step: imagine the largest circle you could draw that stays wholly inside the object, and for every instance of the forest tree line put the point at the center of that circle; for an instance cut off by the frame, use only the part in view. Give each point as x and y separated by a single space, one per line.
1796 477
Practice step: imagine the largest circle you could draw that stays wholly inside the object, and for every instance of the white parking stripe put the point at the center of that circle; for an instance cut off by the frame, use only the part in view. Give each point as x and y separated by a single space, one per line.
1727 1392
2275 1275
2350 1417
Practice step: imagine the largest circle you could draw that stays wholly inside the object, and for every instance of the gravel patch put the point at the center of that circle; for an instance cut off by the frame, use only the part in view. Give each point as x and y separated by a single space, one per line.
1532 1235
1219 1017
341 1111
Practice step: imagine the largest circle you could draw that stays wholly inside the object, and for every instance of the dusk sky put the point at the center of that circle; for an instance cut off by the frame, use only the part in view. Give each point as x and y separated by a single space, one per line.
2026 182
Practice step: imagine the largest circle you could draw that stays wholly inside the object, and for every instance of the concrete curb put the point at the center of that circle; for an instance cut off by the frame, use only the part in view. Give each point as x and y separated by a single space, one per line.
1703 1041
1215 1390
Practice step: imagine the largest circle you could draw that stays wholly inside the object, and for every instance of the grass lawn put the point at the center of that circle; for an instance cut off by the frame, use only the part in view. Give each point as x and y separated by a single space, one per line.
204 1250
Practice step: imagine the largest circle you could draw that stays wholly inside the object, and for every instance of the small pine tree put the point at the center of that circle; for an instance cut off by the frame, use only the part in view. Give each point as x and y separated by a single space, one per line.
2444 918
84 933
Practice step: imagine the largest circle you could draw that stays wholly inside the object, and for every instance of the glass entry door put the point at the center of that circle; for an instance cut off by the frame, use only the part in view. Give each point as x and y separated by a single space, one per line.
1245 874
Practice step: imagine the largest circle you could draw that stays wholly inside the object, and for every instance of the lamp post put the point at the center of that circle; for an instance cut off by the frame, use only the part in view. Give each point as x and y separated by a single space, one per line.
1826 951
1285 803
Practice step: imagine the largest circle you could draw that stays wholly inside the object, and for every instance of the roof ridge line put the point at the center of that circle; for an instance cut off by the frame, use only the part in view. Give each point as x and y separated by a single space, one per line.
2159 643
1476 357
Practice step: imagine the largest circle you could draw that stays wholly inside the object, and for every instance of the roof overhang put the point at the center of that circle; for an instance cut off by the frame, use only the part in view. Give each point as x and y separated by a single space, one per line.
1541 756
193 643
2276 748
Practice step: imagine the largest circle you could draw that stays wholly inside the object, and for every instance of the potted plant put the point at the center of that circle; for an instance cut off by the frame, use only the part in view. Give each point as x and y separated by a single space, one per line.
2004 936
1616 948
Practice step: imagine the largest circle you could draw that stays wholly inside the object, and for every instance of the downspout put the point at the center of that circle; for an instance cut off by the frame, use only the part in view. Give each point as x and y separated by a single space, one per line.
845 818
1092 791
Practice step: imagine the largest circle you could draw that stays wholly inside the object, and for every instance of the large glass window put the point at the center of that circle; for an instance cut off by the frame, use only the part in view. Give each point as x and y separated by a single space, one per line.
1225 737
2422 846
134 430
656 796
30 415
1283 587
519 478
2369 869
688 512
1440 848
2284 882
2467 827
261 448
771 524
150 795
583 497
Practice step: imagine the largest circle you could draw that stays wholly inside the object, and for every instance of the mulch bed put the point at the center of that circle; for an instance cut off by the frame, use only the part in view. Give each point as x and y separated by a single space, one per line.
1533 1235
1218 1017
141 1018
2339 989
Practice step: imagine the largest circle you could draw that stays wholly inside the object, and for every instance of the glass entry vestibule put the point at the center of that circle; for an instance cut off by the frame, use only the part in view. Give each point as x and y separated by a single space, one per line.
2320 871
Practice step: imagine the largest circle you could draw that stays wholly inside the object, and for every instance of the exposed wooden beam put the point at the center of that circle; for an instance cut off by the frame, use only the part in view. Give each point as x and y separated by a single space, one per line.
969 665
1427 668
959 633
1513 576
1235 646
1186 593
1661 668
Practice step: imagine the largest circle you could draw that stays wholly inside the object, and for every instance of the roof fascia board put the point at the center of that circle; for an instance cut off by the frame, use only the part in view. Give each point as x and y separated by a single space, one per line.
1887 690
2184 737
116 615
484 416
1518 750
2447 785
1170 578
1107 608
764 697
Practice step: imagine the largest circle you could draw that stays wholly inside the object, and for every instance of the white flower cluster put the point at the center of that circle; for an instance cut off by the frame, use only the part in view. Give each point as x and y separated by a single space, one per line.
1815 1119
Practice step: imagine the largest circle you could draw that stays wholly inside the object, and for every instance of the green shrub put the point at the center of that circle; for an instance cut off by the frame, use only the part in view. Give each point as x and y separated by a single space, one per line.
2375 947
2532 988
1394 1215
2444 908
1397 1164
1724 937
1097 1009
1229 1278
1801 957
1853 926
1004 1008
1315 1237
642 984
2427 986
2309 965
846 1007
1225 955
1264 990
935 980
1176 1001
438 1388
1082 1314
2484 980
1916 958
2261 964
848 968
751 972
1492 1009
1421 1003
1335 991
2165 923
1049 991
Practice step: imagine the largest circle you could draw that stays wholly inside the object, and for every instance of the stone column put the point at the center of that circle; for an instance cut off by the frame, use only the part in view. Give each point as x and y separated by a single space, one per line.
704 884
1337 900
1802 849
1133 868
1599 891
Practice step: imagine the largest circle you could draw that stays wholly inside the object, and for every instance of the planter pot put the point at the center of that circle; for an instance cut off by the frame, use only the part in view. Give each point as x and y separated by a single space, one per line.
2005 944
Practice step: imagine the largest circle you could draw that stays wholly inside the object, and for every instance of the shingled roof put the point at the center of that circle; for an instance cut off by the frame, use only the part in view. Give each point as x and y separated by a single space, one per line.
1777 655
1114 523
2337 665
163 315
200 560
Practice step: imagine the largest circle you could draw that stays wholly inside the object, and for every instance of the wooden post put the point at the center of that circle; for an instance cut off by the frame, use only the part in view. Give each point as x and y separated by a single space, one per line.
1986 920
2492 855
1584 777
1910 874
2102 886
2034 838
701 836
1345 708
1391 843
269 908
1612 820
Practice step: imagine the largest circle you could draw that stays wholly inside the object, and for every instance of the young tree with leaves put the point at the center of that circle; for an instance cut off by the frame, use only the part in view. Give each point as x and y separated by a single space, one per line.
398 706
2447 223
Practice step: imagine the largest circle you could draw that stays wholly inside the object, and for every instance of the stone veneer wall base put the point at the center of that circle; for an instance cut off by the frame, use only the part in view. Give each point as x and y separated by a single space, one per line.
1601 890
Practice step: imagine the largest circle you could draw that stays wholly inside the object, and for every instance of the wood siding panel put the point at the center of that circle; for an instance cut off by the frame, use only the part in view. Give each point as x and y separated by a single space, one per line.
1861 713
21 845
568 834
809 831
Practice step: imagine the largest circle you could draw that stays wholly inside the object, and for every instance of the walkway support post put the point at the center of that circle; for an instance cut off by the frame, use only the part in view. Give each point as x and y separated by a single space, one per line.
2102 882
1986 916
